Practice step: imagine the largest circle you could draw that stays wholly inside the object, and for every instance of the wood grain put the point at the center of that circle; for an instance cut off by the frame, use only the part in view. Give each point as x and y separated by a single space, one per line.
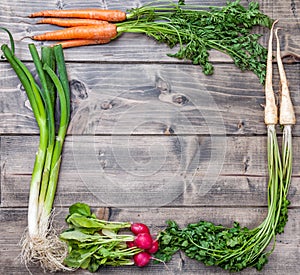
156 170
151 99
151 127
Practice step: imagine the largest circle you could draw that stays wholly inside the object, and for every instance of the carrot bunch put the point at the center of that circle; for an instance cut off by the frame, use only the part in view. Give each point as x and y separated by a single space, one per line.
195 29
83 27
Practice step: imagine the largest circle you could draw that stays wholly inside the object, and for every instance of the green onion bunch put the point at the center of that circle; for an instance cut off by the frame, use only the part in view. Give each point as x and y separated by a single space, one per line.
40 243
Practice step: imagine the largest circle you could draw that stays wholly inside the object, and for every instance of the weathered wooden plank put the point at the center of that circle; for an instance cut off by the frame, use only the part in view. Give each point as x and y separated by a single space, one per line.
287 14
240 156
285 256
227 191
151 99
230 190
158 170
14 15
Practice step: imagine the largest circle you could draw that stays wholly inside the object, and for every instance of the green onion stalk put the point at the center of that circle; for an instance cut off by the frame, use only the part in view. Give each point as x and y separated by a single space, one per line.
40 243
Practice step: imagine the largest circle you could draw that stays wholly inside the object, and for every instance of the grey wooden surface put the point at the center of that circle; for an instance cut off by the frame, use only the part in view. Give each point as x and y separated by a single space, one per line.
151 138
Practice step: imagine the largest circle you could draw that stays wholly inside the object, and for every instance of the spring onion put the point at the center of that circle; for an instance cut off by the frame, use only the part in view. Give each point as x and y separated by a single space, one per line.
40 243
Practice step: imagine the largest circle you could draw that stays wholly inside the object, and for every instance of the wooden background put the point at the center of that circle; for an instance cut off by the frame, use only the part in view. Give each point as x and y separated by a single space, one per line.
151 138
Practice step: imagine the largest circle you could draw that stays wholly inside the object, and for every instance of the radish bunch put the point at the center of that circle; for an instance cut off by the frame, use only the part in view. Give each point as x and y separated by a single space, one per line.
94 243
144 241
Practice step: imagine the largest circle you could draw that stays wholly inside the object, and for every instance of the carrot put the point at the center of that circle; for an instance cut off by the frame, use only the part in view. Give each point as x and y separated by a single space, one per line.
271 116
71 22
82 42
287 113
81 32
106 15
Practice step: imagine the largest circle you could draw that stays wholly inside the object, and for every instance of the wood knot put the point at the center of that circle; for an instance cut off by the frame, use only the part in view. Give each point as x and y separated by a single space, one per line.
293 7
28 30
168 131
180 99
78 89
241 124
60 5
162 85
106 105
21 88
246 161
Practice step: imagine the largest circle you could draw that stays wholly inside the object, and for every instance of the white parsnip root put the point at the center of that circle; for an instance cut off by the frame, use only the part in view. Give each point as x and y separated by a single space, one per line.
287 119
287 113
271 113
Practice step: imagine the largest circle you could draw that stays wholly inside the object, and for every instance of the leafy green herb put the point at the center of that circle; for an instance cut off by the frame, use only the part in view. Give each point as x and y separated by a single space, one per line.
198 29
237 248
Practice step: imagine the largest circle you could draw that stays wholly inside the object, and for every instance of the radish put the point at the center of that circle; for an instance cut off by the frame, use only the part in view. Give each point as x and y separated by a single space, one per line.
142 259
137 228
154 247
143 241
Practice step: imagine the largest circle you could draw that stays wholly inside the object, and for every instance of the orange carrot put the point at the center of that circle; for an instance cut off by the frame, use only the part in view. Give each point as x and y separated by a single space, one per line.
106 15
81 32
81 42
71 22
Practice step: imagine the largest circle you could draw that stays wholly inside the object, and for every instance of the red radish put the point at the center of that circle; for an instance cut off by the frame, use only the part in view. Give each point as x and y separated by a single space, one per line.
143 241
153 249
137 228
130 244
142 259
